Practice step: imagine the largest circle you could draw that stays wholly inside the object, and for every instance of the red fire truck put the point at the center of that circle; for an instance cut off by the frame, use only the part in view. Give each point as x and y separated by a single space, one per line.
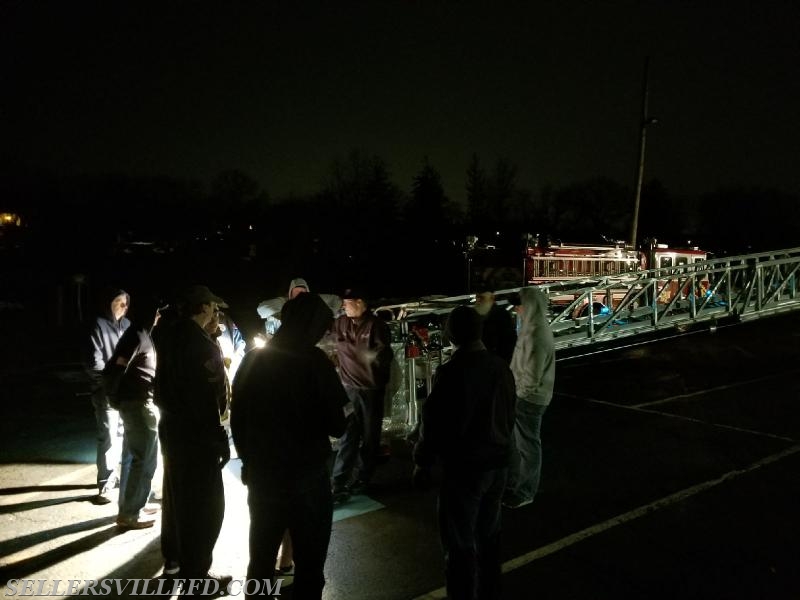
555 263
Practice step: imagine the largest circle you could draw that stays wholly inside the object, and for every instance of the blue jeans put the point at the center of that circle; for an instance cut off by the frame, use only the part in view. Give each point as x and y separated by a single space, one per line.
526 457
469 526
139 455
108 443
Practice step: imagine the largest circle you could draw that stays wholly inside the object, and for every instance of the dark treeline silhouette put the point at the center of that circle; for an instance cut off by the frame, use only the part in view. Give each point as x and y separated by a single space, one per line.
361 227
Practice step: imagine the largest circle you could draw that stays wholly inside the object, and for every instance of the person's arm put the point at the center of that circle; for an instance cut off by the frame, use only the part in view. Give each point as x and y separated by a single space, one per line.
508 339
332 394
381 344
539 359
433 422
238 340
115 369
96 362
240 408
432 427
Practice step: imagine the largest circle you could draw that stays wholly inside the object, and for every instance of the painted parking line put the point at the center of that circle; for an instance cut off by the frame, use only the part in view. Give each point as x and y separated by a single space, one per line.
665 502
642 409
719 388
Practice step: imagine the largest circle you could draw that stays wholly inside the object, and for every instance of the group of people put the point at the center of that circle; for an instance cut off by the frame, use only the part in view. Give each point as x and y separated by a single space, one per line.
482 420
171 381
166 376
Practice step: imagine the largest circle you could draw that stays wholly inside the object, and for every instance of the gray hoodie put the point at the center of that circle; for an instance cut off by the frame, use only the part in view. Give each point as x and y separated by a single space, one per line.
533 363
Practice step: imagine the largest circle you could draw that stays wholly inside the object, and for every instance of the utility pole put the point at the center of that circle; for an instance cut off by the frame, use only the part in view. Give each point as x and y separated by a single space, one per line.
646 120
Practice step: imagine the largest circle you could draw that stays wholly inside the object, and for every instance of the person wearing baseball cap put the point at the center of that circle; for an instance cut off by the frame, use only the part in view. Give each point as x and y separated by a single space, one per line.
363 347
190 393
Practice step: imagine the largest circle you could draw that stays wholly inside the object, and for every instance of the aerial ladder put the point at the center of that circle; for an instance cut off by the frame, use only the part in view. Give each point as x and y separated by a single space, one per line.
587 313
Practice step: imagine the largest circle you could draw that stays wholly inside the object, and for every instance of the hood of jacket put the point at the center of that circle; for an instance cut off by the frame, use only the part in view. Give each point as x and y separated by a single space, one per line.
297 282
534 313
304 320
108 297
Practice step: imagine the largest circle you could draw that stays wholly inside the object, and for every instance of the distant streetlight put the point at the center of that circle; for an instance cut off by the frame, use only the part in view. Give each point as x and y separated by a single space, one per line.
646 120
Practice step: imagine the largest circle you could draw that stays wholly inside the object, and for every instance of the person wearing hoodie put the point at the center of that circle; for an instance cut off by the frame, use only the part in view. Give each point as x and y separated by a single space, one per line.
534 367
270 310
287 403
106 332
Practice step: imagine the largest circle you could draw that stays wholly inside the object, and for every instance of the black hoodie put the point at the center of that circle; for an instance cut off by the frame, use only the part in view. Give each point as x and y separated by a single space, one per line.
287 398
105 333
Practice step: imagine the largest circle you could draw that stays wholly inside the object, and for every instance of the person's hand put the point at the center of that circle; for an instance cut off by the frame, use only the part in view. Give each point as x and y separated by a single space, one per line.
224 455
421 478
222 447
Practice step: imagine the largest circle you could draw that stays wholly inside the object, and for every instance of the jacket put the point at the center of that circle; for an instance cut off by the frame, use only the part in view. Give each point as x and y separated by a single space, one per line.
132 381
364 350
105 334
287 398
190 380
533 362
468 419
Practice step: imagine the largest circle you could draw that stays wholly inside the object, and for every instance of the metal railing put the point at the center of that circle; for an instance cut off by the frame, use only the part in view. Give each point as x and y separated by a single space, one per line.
746 287
599 310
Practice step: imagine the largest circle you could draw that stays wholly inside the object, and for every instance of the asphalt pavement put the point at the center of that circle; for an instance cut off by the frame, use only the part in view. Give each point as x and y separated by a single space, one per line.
671 470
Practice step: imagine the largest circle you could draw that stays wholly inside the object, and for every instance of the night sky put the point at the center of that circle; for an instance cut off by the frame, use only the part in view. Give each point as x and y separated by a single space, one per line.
279 90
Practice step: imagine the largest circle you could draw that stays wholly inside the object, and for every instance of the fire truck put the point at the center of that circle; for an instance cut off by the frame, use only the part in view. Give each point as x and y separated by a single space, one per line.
552 263
677 290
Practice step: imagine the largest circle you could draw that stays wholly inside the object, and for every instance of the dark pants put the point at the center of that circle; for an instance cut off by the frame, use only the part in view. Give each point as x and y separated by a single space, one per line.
359 446
469 526
193 500
302 503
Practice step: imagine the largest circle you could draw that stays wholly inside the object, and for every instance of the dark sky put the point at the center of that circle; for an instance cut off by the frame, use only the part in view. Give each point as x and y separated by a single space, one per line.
280 89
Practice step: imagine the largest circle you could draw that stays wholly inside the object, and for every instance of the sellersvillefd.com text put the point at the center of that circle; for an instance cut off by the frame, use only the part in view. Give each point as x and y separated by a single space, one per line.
140 587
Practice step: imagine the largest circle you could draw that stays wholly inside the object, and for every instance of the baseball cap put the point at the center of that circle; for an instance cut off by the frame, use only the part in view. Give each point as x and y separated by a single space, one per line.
200 294
354 293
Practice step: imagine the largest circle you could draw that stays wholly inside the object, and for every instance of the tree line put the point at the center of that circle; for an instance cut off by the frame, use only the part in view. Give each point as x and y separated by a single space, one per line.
361 224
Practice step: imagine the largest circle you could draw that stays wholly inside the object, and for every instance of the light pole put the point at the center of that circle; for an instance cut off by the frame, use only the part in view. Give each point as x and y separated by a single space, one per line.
646 120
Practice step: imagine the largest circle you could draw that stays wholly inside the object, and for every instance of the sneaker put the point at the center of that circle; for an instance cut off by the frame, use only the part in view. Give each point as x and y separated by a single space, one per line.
101 498
222 585
126 523
341 494
150 509
171 567
359 486
517 502
222 580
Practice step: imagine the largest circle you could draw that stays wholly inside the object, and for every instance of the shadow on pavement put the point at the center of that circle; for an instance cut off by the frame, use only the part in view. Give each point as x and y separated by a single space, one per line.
34 564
